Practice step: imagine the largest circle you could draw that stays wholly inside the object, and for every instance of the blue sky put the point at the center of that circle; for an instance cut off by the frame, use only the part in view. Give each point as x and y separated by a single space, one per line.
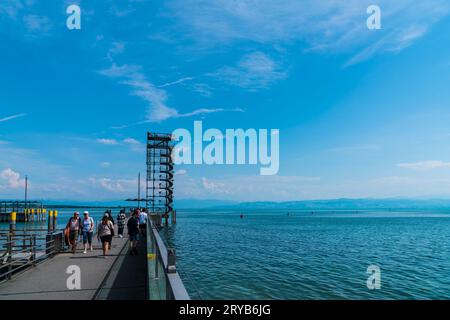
361 113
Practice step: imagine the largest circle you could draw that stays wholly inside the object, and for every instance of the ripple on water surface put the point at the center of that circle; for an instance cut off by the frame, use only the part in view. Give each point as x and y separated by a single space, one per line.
312 256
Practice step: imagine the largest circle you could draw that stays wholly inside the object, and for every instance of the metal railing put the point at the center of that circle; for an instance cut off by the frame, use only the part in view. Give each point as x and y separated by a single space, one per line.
164 282
23 249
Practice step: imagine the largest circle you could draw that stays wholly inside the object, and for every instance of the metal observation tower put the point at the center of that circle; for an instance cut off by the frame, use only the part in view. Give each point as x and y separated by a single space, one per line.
160 176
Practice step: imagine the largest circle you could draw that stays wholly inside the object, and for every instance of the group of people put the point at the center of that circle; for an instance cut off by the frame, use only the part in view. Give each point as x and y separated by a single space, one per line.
84 228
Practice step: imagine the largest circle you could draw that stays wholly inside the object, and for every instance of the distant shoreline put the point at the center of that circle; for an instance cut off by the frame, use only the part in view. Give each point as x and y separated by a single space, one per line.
333 204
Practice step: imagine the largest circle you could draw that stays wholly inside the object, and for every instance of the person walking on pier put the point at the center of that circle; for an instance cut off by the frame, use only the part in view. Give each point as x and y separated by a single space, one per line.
121 218
133 232
108 213
143 217
88 231
110 216
105 234
74 226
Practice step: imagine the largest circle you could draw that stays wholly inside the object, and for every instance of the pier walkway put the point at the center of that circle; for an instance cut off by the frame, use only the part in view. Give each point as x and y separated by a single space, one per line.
119 276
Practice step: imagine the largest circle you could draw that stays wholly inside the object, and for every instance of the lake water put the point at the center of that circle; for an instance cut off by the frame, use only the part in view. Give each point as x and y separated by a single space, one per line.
270 255
325 255
63 217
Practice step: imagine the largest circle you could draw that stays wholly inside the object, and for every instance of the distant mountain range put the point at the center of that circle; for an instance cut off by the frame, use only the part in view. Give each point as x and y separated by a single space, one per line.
179 204
343 204
348 204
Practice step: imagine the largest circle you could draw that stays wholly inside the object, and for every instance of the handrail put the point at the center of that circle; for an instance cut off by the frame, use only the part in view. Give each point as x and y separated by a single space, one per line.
159 257
23 251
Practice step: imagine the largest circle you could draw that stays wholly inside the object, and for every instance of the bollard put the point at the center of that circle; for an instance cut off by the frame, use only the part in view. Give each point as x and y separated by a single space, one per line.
50 221
12 223
55 219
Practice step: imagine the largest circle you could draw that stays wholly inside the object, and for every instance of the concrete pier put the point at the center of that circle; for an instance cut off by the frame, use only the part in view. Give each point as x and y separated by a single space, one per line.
119 276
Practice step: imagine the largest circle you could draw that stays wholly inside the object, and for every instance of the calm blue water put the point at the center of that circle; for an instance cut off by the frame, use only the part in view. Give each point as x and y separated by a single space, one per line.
269 255
325 255
63 218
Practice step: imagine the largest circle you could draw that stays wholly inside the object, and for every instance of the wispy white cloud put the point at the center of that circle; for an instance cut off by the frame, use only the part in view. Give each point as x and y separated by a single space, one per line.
203 89
121 12
111 185
393 42
208 111
134 145
254 71
214 186
25 15
116 71
330 26
11 8
248 188
357 148
8 118
36 24
156 98
105 164
179 81
181 172
157 110
114 185
425 165
116 48
131 141
109 142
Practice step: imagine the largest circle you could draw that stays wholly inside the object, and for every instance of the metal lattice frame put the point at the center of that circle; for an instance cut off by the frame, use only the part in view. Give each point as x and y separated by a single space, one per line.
6 207
160 174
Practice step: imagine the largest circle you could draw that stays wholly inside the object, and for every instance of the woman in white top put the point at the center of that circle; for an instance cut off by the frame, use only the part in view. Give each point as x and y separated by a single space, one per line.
88 230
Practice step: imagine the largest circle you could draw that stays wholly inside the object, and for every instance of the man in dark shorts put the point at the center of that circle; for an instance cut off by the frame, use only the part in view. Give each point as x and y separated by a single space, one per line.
133 232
